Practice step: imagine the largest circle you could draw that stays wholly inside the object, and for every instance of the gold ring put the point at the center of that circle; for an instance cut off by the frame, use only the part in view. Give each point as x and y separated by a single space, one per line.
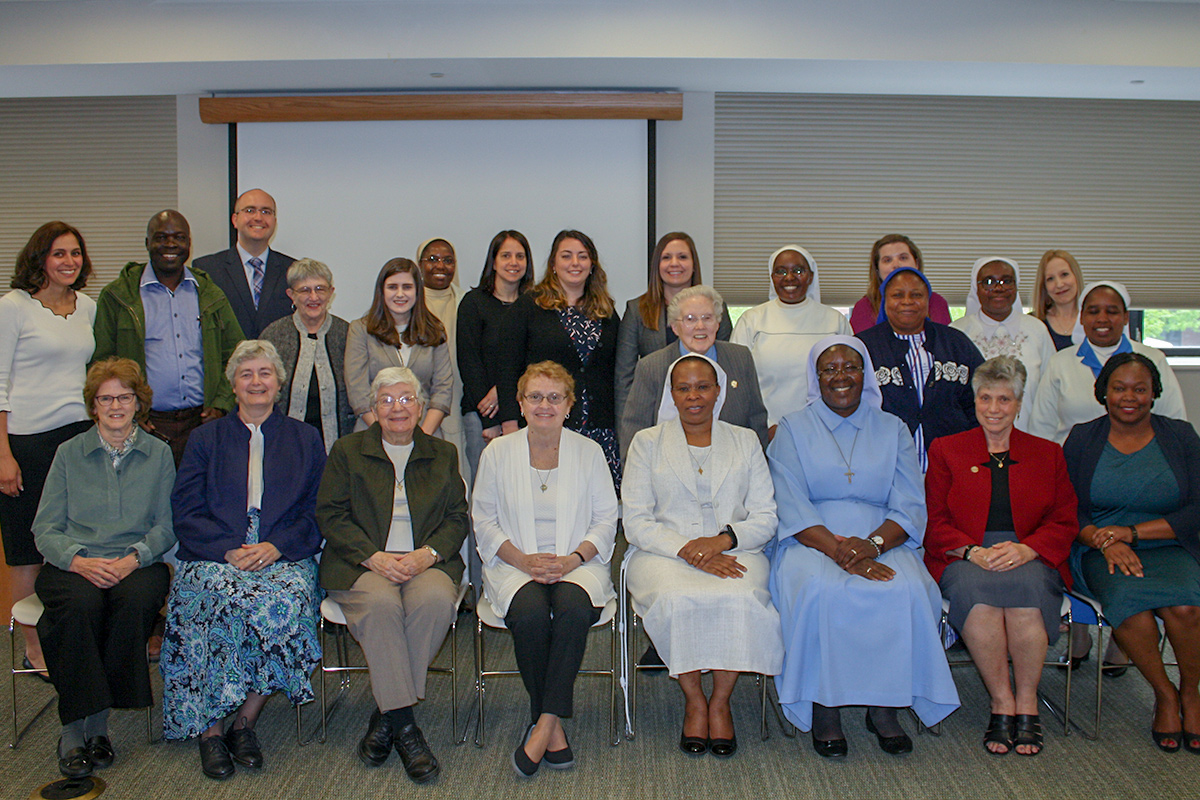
853 551
1010 563
868 570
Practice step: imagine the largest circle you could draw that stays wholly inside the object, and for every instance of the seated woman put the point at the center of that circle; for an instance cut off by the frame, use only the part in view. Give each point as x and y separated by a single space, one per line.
1138 479
393 510
1002 562
694 313
399 331
103 525
859 610
242 615
999 326
312 345
780 331
923 367
645 326
698 510
888 253
545 515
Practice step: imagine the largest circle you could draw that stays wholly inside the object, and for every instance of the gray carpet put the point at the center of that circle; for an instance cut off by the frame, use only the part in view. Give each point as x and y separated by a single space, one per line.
1122 764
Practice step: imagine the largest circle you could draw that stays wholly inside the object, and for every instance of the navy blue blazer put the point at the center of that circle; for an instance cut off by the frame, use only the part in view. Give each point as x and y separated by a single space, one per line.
949 405
209 500
1180 447
226 270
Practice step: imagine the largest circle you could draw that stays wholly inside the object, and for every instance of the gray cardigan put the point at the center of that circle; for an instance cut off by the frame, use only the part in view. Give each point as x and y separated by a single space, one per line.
284 335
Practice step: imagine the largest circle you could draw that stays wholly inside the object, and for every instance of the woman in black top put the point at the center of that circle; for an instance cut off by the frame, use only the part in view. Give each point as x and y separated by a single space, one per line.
507 274
568 318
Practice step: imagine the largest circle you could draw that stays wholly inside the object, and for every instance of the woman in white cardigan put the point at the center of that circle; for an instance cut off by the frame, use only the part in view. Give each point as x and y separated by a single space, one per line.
545 515
699 507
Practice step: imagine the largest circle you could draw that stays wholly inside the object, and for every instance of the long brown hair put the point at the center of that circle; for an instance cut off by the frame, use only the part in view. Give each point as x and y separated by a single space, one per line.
1041 298
873 278
596 302
424 328
654 301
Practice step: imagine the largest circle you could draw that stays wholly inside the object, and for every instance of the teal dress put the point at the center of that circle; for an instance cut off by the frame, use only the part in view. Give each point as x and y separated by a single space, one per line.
1129 490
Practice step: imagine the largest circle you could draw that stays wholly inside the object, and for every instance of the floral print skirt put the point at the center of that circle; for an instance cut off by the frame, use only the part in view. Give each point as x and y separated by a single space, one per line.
230 632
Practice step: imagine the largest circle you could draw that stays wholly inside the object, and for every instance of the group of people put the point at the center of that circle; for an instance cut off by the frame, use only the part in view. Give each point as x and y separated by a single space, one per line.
286 454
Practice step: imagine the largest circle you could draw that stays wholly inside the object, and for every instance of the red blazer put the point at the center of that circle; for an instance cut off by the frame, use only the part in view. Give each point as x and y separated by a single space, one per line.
958 491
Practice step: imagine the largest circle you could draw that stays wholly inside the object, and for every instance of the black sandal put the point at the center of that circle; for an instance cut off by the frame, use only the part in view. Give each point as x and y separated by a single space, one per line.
1029 733
999 731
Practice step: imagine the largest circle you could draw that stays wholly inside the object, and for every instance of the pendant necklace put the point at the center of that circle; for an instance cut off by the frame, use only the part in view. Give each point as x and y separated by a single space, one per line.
849 473
544 480
699 465
999 458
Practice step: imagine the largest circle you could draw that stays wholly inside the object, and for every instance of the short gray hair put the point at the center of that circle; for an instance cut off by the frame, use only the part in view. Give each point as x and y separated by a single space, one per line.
1001 370
699 290
390 376
307 268
250 349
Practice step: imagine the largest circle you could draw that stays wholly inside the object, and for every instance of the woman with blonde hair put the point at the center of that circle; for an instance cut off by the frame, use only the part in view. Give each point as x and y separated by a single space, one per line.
1056 297
568 318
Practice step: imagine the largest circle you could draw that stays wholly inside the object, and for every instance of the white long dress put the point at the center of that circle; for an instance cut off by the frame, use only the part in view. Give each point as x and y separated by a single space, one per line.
698 620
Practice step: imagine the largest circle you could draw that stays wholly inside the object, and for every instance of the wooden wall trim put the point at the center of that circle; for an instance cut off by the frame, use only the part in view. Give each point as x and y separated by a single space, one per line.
520 105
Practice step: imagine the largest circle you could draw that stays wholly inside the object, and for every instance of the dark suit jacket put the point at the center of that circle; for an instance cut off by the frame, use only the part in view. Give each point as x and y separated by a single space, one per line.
743 401
226 270
958 490
1180 447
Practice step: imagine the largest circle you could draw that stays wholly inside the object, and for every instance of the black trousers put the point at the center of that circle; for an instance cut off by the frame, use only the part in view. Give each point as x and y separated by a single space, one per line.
550 624
95 639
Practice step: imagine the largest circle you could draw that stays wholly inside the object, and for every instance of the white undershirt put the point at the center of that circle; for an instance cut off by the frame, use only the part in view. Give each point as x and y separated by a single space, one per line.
400 535
545 509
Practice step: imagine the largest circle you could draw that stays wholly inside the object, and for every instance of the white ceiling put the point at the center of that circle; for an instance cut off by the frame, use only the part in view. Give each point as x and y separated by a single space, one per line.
1067 48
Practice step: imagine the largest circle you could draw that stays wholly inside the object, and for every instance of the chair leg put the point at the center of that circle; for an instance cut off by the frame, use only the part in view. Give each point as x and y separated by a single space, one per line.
764 733
633 670
1099 675
12 666
454 677
480 686
612 682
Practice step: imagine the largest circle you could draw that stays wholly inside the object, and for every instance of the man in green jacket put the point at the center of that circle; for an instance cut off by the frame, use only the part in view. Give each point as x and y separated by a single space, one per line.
177 325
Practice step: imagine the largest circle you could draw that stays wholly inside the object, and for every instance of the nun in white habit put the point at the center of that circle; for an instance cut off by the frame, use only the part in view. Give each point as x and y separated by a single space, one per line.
999 326
699 508
781 331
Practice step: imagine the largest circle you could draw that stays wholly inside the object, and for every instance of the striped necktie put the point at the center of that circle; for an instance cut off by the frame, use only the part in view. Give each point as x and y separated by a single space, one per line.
259 273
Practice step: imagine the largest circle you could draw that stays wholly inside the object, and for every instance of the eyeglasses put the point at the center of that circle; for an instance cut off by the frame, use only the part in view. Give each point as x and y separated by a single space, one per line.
991 282
684 388
692 320
320 288
783 272
107 400
536 398
449 261
387 401
849 370
250 211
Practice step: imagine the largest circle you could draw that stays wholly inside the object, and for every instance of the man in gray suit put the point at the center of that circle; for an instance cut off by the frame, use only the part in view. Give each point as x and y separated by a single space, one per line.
694 315
251 274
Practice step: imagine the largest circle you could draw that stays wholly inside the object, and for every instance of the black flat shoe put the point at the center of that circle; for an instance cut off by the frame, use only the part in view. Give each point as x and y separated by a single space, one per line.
100 751
419 761
1075 662
693 745
559 759
27 664
522 764
1000 730
375 747
74 763
1112 670
723 748
214 758
834 748
243 747
892 745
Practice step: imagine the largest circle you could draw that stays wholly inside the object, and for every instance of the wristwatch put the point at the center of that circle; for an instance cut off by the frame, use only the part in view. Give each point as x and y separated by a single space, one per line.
876 540
432 552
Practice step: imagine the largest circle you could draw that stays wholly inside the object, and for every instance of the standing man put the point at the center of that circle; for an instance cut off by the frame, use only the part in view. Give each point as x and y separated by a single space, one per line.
251 274
177 325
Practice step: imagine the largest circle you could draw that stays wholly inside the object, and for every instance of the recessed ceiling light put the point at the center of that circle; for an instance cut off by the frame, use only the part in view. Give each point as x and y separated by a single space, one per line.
437 74
1137 82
